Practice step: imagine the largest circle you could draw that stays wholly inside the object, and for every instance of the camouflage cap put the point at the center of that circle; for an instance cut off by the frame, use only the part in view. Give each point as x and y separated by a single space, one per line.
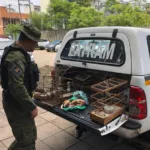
31 32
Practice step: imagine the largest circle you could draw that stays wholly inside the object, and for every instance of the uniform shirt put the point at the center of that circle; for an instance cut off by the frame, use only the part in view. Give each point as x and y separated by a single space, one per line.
16 63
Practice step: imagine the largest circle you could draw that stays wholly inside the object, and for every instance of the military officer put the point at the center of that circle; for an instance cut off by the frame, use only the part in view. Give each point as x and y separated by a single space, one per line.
19 77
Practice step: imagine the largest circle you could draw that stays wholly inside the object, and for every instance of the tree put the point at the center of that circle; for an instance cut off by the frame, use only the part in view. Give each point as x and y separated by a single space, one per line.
140 3
37 20
41 21
85 3
46 22
110 3
13 30
147 7
126 15
59 12
69 15
84 17
99 4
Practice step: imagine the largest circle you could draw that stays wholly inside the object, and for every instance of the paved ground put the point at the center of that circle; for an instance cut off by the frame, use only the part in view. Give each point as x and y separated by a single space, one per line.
44 58
55 133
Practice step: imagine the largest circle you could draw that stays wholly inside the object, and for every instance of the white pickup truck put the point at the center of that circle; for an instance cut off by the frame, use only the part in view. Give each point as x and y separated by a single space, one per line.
103 53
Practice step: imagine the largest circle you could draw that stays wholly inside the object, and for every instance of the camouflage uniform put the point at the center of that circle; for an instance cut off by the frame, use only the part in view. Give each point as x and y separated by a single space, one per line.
17 95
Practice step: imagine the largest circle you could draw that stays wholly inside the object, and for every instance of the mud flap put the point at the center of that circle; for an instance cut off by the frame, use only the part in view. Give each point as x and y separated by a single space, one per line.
113 125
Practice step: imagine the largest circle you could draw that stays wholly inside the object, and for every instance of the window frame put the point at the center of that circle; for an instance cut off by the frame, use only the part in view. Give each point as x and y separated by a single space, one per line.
148 43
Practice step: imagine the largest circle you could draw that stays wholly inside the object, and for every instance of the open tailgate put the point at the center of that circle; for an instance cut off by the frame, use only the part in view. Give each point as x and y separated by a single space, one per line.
82 118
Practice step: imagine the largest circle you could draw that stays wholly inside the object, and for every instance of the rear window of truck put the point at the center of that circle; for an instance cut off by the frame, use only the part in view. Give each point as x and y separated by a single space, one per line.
105 51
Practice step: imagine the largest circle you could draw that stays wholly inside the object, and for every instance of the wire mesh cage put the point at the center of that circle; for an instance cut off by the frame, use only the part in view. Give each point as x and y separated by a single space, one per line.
54 87
58 85
110 101
108 85
108 106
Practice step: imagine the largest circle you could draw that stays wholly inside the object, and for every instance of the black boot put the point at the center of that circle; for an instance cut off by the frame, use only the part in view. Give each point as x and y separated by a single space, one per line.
79 132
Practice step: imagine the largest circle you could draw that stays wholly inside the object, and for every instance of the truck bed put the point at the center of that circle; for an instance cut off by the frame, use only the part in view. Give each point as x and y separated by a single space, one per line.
88 81
82 118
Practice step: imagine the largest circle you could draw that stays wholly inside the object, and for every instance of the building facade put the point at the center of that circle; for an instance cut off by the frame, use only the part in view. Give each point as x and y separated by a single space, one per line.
37 8
34 8
7 17
44 4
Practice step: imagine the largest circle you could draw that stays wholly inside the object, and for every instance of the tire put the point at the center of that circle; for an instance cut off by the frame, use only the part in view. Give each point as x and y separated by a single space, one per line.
48 50
53 49
42 48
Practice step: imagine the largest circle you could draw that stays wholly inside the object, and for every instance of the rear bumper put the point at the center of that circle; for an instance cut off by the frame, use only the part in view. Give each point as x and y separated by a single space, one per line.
128 130
126 133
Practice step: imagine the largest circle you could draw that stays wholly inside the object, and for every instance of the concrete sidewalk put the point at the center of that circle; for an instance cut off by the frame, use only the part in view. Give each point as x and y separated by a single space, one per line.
55 133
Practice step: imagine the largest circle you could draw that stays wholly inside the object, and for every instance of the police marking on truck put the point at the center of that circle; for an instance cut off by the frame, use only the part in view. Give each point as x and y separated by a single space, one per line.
92 51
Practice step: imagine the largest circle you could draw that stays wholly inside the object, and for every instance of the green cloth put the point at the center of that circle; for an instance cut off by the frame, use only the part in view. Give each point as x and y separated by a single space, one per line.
77 95
75 108
72 98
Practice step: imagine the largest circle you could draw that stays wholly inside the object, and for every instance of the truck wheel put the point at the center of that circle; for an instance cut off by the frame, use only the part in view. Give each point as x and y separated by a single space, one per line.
42 48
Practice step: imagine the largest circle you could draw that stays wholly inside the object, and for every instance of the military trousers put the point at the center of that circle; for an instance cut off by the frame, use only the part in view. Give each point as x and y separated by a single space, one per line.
24 130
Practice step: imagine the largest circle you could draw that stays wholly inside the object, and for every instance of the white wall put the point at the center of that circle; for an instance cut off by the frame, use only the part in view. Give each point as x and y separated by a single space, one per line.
44 4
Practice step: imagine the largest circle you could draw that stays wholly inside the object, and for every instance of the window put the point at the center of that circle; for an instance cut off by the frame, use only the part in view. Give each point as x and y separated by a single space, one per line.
148 42
105 51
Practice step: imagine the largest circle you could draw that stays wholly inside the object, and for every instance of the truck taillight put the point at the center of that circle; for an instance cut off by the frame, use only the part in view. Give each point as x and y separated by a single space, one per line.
138 105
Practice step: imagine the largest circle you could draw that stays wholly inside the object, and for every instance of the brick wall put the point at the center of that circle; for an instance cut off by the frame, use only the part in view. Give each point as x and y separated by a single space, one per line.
5 16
